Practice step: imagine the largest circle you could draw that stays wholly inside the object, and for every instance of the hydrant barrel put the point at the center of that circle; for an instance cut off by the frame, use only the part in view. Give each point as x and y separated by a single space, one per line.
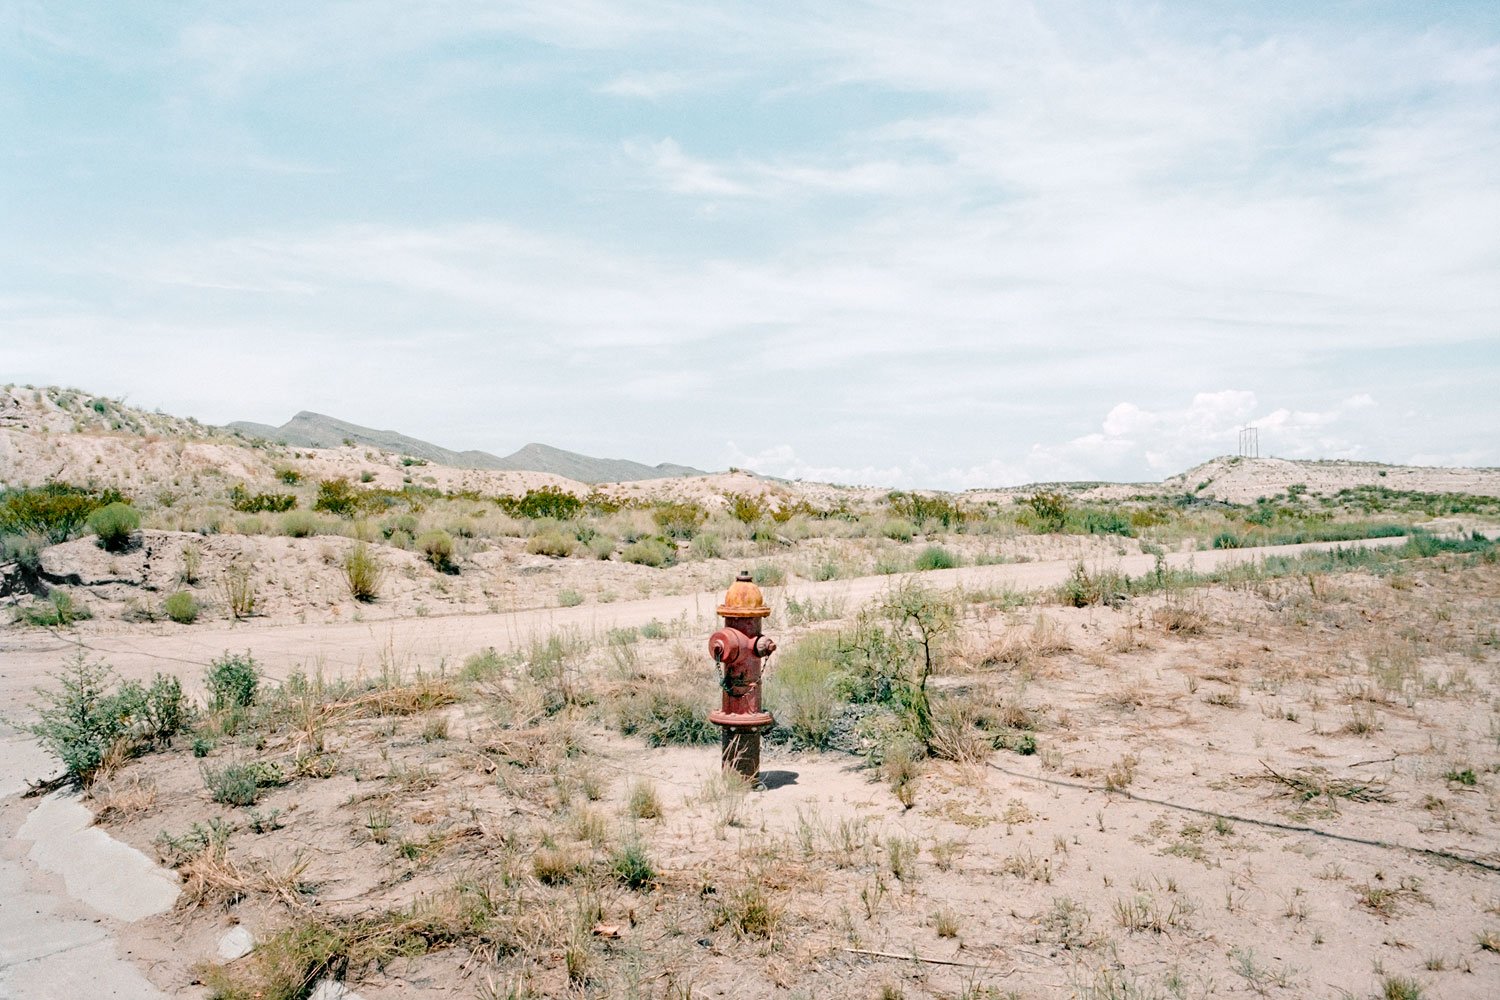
738 649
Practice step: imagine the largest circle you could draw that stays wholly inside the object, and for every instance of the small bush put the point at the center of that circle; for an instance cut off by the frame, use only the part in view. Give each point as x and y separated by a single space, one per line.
679 520
936 557
768 575
632 866
569 598
241 784
643 802
288 475
246 502
231 681
56 511
337 496
437 546
1227 540
549 501
899 529
238 589
663 717
707 546
1050 510
551 543
114 524
89 717
801 689
362 573
300 524
59 610
181 607
746 509
649 552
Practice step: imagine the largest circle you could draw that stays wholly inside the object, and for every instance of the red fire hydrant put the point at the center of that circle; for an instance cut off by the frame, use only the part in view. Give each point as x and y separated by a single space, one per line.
738 649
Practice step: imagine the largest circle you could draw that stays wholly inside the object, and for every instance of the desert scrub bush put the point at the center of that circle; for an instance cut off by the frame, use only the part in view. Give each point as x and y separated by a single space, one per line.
679 520
632 867
898 529
232 682
1048 510
337 496
707 545
288 475
55 511
246 502
748 912
548 501
643 802
237 587
569 598
935 557
659 714
181 607
650 552
59 610
192 563
114 524
90 717
362 572
300 524
551 543
922 510
768 575
801 689
240 784
437 547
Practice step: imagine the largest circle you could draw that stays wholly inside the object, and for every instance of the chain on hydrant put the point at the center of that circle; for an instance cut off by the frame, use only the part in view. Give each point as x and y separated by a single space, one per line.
738 649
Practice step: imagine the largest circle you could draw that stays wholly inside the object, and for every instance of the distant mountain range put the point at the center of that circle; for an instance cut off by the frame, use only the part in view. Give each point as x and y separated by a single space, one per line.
315 430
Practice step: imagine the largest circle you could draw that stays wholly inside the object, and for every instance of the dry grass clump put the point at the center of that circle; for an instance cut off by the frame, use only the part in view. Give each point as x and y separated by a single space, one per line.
749 911
211 878
424 694
478 917
1023 647
1309 783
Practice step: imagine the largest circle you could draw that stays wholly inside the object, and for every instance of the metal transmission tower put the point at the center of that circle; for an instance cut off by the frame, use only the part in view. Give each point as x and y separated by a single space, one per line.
1250 442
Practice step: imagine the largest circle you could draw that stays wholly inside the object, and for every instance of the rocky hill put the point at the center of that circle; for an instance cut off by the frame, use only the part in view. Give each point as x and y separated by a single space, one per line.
317 430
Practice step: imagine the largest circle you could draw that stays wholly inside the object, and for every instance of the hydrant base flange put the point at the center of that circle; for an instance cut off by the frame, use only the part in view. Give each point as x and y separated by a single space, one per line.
753 721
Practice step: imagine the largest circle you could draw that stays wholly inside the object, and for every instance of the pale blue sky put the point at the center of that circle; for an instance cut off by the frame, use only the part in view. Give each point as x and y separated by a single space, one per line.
949 245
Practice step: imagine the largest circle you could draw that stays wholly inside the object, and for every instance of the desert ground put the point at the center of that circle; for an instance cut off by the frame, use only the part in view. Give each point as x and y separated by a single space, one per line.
1232 734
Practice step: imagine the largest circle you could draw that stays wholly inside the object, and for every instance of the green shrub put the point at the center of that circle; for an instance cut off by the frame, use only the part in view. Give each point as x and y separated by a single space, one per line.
663 717
1107 522
898 529
707 546
181 607
746 509
768 575
650 552
300 524
569 598
679 520
241 784
632 867
1226 540
55 511
935 557
362 572
801 690
1049 508
437 546
288 475
114 525
59 610
548 501
551 543
232 681
921 509
25 550
275 503
89 717
337 496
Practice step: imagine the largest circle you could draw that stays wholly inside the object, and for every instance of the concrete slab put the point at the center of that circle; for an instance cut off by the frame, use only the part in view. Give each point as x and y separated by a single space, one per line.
111 877
86 971
21 760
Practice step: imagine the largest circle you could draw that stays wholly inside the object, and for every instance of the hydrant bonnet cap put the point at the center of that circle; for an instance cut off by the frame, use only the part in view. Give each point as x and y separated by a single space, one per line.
743 600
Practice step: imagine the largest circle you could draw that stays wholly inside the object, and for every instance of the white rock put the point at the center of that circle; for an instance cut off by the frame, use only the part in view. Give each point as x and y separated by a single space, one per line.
237 943
332 989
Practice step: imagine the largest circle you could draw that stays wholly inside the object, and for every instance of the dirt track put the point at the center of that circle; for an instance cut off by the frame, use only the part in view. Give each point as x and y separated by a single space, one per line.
27 657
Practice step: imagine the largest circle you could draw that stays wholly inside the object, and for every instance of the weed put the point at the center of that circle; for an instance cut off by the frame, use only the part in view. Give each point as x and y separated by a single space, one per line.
935 557
649 552
901 853
181 607
58 610
232 681
437 547
362 572
569 598
631 866
1400 988
945 922
114 524
238 589
241 784
643 802
749 912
